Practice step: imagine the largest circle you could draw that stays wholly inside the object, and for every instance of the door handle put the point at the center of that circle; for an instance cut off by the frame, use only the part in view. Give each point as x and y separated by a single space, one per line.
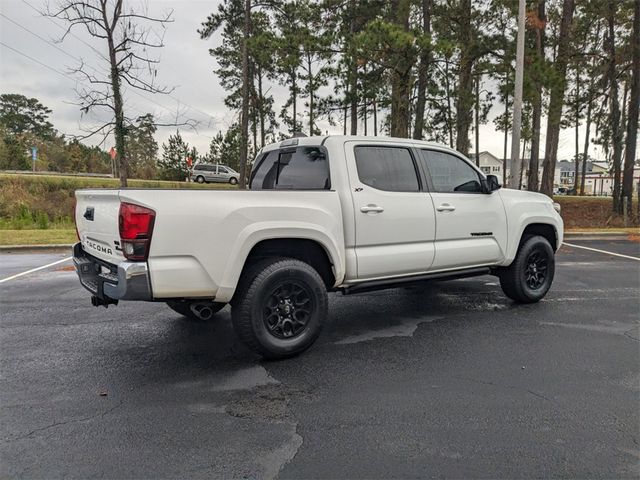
371 208
445 207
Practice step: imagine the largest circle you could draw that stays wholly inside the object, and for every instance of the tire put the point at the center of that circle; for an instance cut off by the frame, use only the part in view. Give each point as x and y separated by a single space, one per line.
280 307
200 179
233 181
196 310
529 277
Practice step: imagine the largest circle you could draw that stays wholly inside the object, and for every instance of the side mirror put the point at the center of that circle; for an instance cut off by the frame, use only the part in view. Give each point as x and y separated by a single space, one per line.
491 184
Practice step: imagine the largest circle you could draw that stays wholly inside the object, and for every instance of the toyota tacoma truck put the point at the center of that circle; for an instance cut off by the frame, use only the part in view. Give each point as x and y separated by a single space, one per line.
335 213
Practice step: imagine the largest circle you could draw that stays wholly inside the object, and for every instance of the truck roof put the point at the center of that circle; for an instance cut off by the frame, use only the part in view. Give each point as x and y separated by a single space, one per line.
321 140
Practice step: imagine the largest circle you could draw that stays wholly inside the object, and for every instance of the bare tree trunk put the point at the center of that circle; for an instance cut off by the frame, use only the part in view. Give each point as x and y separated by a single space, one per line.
353 77
577 112
585 155
614 112
375 118
524 149
253 111
632 120
423 72
244 121
261 109
119 128
399 106
364 116
448 93
401 79
506 133
346 111
294 94
464 101
311 89
592 86
534 162
353 90
556 99
477 120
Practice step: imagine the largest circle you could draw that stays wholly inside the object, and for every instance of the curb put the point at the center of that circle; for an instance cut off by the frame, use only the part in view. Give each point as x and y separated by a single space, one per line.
23 248
597 233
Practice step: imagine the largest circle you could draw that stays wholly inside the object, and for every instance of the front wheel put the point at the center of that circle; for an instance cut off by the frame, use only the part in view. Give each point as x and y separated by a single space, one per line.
280 307
233 181
200 179
529 277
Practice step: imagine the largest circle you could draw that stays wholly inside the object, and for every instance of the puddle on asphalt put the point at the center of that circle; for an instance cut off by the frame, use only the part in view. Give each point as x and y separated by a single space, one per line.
245 379
406 329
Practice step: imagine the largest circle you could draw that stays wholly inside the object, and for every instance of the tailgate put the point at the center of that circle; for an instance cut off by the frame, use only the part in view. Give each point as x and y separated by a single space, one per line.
97 223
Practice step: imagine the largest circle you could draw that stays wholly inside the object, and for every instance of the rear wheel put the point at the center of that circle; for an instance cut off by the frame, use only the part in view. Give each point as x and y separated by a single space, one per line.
196 310
280 307
529 277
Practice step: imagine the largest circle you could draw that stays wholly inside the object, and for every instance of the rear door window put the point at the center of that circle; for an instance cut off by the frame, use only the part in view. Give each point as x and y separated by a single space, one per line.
387 168
299 168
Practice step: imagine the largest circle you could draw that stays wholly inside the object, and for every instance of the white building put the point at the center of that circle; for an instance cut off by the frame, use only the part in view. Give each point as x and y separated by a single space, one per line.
598 180
490 164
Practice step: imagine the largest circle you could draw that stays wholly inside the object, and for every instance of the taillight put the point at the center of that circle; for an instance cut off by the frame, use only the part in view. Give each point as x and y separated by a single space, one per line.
136 228
75 222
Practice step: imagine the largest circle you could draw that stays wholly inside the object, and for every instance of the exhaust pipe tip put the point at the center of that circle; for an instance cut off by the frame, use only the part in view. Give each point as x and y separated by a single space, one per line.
202 310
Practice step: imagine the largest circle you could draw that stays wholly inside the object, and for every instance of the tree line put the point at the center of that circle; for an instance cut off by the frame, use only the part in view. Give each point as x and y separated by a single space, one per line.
24 124
426 69
433 69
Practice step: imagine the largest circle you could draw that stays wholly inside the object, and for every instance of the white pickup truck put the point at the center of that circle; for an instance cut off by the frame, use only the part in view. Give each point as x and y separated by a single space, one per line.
333 213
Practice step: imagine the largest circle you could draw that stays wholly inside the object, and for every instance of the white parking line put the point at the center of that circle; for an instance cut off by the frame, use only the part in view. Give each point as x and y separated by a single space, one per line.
601 251
34 270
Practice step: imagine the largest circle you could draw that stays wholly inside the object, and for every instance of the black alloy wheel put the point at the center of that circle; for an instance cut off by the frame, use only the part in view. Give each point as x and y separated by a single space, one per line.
288 309
536 269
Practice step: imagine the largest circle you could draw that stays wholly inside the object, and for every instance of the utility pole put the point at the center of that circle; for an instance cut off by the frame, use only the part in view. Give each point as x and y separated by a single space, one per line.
516 161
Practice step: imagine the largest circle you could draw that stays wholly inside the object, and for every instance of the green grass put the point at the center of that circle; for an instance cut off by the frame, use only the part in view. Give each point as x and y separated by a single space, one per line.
53 182
37 237
30 202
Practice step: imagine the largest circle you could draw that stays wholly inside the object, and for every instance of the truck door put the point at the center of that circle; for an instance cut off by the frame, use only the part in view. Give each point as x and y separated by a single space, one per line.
394 216
471 226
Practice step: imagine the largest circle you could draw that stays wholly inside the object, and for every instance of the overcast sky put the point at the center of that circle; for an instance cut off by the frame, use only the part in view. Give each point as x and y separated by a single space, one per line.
185 65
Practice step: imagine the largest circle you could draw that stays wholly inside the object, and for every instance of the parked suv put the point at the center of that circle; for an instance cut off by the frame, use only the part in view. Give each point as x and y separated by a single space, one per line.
202 173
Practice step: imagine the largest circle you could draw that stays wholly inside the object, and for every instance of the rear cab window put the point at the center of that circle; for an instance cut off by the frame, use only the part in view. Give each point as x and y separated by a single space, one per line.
292 168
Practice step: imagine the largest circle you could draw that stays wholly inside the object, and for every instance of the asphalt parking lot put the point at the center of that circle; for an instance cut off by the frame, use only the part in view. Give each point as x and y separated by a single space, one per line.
444 380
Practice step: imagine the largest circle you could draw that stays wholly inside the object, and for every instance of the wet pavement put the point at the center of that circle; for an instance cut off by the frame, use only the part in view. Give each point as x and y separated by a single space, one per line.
447 379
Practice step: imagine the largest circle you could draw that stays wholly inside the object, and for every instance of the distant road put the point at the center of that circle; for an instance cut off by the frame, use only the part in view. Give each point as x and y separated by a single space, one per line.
84 174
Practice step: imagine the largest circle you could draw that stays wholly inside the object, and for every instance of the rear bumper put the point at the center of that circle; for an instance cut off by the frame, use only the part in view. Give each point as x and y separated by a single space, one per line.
126 281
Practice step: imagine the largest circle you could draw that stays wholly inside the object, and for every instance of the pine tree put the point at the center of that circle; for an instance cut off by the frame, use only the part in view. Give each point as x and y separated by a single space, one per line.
142 147
224 148
172 164
556 99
